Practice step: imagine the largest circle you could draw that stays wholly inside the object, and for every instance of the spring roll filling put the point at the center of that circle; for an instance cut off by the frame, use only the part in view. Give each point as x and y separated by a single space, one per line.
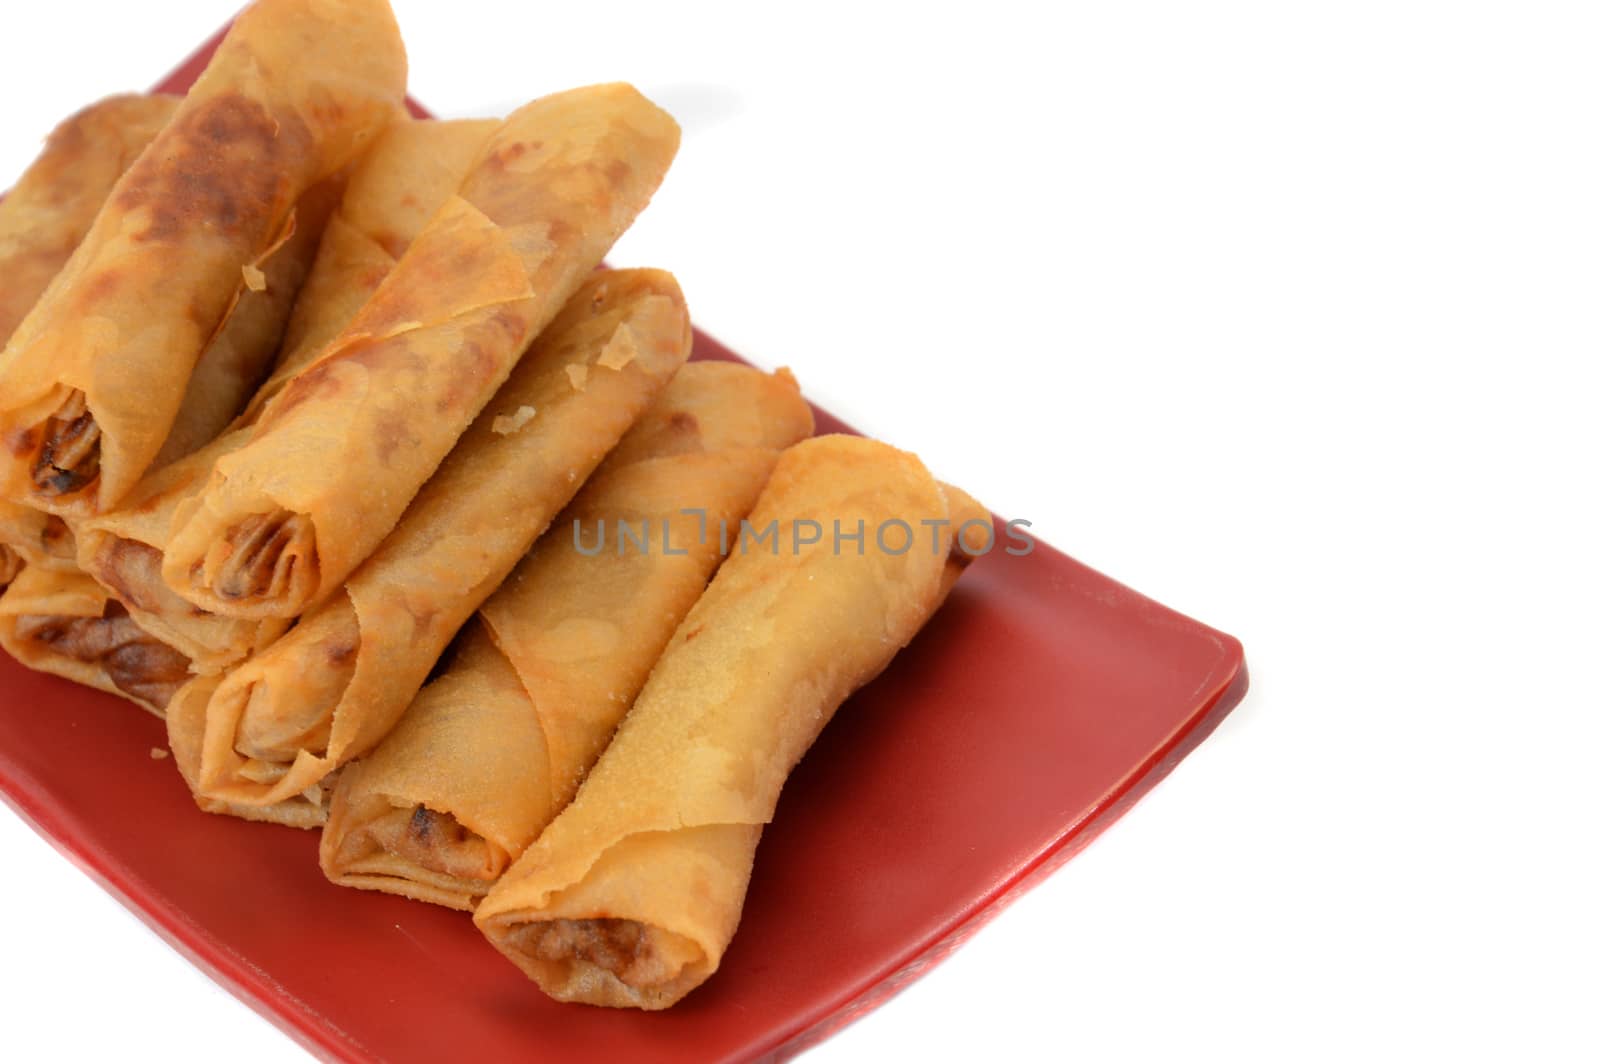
577 950
69 457
431 840
258 556
137 663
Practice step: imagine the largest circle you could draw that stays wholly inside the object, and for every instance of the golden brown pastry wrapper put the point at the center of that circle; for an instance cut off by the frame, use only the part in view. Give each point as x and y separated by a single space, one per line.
49 210
93 379
632 894
412 169
36 537
347 443
393 191
11 564
270 733
489 752
240 355
65 623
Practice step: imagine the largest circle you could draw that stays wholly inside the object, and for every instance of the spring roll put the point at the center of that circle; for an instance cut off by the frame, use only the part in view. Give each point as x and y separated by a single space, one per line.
92 380
409 173
632 894
488 753
347 443
65 623
42 219
268 735
50 210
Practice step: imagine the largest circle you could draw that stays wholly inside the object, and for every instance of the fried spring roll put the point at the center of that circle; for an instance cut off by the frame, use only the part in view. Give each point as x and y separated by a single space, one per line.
65 623
347 443
488 753
36 537
92 380
409 173
46 215
268 734
632 894
42 219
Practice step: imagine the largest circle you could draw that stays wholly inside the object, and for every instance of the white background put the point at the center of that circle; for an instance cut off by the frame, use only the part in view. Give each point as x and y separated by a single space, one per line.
1284 314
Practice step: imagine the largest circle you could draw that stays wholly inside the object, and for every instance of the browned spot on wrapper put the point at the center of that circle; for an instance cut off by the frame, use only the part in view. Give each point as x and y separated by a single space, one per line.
56 539
476 365
315 380
102 285
321 380
340 653
422 617
512 152
127 567
392 431
220 166
22 442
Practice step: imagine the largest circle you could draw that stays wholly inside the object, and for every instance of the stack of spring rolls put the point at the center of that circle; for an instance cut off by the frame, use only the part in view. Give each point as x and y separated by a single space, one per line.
327 440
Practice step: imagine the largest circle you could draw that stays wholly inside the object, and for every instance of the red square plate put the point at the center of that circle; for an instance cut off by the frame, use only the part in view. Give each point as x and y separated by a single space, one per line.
1040 703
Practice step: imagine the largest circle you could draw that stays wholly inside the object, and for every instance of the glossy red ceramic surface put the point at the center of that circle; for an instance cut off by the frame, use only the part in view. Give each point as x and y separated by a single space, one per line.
1040 703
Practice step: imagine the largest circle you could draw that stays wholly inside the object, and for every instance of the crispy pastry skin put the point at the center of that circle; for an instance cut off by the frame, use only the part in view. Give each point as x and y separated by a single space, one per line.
66 624
412 169
632 894
11 564
36 537
488 753
393 190
92 380
241 354
346 444
268 734
50 210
